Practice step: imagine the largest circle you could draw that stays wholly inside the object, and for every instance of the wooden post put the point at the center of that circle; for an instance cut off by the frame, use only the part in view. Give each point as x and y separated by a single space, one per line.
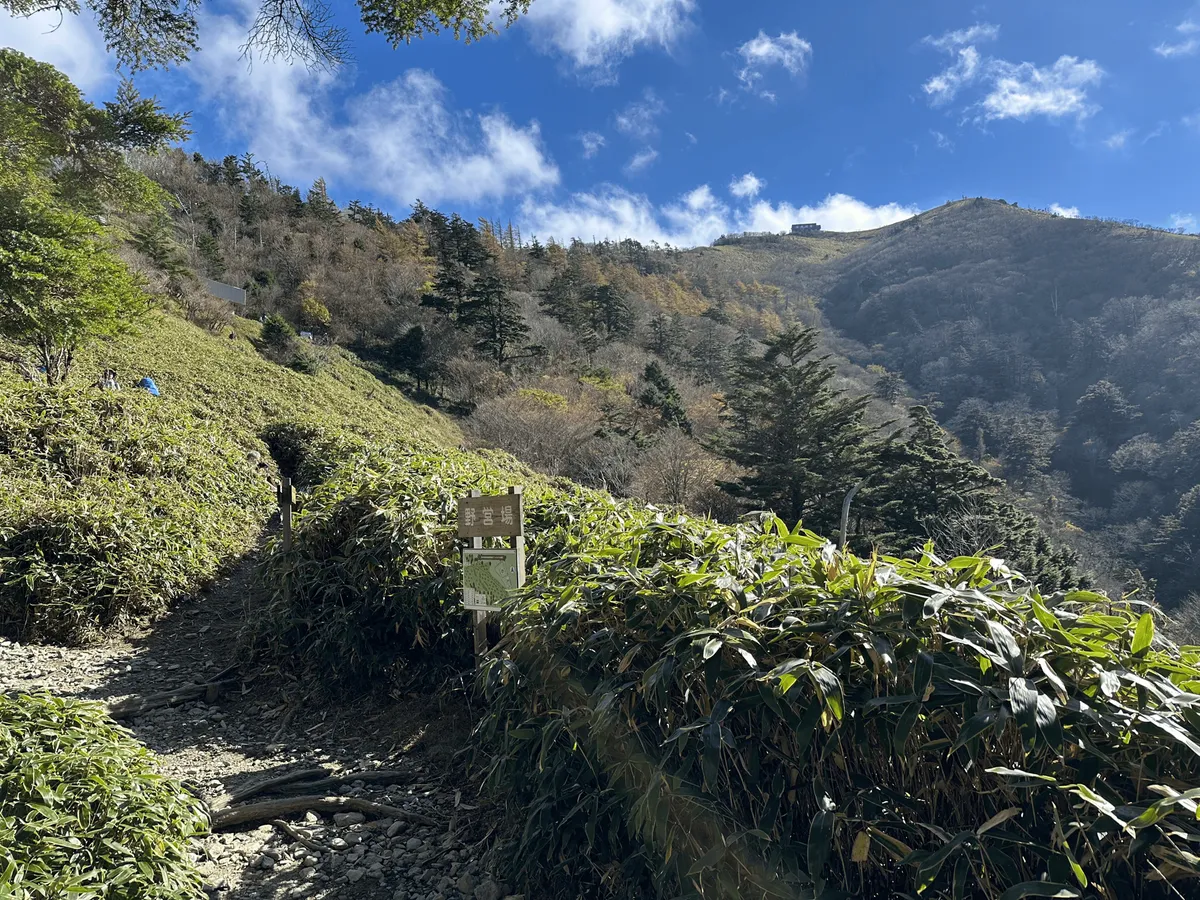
481 646
287 496
519 546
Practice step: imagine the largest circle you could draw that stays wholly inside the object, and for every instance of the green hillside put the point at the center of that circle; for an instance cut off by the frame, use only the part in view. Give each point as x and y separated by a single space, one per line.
115 503
1061 352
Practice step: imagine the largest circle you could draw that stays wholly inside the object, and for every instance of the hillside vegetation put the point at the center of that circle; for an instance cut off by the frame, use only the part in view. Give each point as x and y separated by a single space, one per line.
682 708
621 366
114 503
1061 352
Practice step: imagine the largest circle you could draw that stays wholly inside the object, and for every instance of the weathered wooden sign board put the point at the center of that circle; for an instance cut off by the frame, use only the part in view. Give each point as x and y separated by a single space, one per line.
502 515
491 575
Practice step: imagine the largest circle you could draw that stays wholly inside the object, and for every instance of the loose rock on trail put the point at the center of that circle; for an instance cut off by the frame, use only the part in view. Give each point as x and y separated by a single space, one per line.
260 729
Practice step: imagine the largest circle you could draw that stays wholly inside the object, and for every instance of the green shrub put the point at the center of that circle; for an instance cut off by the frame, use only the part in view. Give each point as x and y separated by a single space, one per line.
306 360
742 712
372 583
112 505
277 332
682 708
83 812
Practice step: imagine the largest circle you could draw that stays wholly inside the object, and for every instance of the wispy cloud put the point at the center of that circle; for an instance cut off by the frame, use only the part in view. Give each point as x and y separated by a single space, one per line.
1119 139
953 40
641 161
747 186
1067 212
943 142
1189 30
1012 90
697 217
787 51
593 142
1184 222
72 44
639 119
595 36
403 139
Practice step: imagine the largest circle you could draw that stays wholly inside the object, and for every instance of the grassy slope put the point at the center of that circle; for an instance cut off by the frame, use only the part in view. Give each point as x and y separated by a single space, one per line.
229 382
113 504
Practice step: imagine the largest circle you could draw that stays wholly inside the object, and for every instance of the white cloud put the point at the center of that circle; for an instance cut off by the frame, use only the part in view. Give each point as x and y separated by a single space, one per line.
1185 47
691 137
595 35
1159 130
1013 90
696 218
944 86
746 186
1118 140
788 51
1024 90
401 139
943 142
640 118
837 212
1067 212
1185 221
70 43
953 40
1192 121
641 160
592 142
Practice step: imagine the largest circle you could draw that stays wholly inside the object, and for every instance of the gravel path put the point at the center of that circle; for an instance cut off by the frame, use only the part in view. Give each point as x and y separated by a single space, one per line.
266 729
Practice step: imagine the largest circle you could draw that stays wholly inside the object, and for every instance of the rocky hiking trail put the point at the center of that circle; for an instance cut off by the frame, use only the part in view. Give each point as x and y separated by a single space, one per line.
397 820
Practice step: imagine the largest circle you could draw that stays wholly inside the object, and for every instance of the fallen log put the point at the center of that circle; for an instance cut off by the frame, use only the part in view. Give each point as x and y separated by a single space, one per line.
315 781
210 691
270 784
268 810
137 706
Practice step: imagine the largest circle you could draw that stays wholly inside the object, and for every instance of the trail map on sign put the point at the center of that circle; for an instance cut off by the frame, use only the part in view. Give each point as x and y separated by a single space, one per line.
488 577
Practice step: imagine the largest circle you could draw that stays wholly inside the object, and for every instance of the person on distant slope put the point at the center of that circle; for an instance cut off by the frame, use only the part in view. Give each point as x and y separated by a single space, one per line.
108 381
147 384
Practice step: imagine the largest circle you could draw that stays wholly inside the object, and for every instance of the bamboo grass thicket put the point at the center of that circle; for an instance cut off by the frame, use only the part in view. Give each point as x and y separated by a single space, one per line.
684 708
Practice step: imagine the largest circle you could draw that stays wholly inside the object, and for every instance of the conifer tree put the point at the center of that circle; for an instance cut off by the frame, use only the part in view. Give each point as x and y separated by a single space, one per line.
493 315
662 395
802 443
318 205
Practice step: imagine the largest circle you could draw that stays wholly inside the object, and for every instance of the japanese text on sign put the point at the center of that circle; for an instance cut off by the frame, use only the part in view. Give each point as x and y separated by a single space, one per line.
497 516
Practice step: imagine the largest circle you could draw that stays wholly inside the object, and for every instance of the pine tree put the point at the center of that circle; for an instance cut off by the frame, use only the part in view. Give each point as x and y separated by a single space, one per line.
802 443
610 311
662 395
411 353
318 205
495 318
917 480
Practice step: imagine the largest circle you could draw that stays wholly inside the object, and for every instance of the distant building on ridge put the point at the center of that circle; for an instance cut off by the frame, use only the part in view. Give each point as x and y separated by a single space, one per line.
806 228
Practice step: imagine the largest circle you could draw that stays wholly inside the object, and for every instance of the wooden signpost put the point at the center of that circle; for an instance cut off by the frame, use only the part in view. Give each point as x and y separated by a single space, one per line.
287 499
491 574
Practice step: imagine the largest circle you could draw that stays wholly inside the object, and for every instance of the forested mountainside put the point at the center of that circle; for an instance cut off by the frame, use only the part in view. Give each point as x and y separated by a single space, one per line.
1064 353
618 365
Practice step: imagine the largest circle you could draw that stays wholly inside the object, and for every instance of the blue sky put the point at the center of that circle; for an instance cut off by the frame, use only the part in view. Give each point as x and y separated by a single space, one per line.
679 120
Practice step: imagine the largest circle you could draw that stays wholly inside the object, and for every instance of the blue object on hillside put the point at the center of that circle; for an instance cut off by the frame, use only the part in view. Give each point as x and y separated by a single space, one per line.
148 384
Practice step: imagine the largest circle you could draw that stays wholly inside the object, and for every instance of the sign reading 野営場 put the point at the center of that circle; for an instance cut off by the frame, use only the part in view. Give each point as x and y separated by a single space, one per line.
497 516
